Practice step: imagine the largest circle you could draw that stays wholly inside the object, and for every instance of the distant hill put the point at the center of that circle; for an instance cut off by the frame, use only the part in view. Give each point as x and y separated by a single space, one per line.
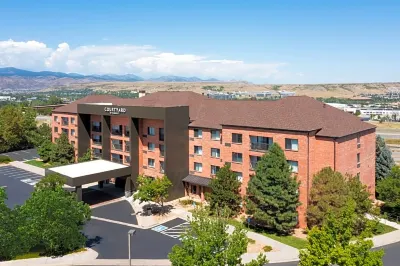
15 79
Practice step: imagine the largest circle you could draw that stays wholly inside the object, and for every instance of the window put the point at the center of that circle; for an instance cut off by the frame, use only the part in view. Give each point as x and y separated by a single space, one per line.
55 118
151 146
96 126
239 176
358 142
151 131
56 129
127 146
253 161
96 153
237 138
237 157
116 130
292 144
116 144
96 139
72 132
260 143
161 134
117 158
358 160
198 133
151 162
198 150
294 166
161 150
73 143
162 167
127 159
64 121
127 131
65 131
214 169
193 189
215 152
215 134
198 167
73 120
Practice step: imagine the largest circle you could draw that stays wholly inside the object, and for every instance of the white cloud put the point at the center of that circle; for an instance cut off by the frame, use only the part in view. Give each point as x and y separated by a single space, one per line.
122 59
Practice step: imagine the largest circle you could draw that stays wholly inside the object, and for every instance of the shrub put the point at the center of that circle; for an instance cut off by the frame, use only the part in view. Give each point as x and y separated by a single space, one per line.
267 248
251 241
5 159
186 202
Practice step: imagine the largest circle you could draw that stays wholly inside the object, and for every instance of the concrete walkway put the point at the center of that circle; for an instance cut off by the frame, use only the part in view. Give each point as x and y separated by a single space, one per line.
28 167
388 238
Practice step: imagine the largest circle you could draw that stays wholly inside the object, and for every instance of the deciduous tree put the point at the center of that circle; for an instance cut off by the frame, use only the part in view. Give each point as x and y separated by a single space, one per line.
45 150
87 156
389 191
153 189
207 242
225 191
384 160
272 194
63 152
334 244
41 135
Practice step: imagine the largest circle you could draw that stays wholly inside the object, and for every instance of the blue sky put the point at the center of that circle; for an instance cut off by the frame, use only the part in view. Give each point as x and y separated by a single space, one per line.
269 41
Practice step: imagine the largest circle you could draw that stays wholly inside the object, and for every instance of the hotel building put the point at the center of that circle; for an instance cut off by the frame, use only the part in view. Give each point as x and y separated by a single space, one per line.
188 137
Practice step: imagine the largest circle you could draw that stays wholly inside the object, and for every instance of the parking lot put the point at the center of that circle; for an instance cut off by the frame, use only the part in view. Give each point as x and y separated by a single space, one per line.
22 155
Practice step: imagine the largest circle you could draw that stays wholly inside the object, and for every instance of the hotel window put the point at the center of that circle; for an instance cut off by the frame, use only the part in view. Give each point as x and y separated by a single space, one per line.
151 146
151 131
161 147
260 143
127 159
294 165
358 142
253 161
73 143
215 153
116 144
358 160
193 189
161 134
198 150
96 139
198 133
237 138
117 158
116 130
292 144
72 132
64 121
215 134
127 146
73 120
55 118
162 167
198 167
214 169
151 162
96 153
237 157
239 176
65 131
96 126
56 129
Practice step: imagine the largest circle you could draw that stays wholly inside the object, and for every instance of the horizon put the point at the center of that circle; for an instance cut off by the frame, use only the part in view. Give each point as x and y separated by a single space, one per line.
262 42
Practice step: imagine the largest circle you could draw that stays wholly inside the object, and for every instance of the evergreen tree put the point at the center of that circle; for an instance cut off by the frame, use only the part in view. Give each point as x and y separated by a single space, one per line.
225 191
63 152
389 191
42 134
45 150
87 156
334 243
272 194
384 160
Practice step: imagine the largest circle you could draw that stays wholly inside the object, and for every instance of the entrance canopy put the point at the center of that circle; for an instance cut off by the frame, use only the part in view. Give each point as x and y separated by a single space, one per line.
92 171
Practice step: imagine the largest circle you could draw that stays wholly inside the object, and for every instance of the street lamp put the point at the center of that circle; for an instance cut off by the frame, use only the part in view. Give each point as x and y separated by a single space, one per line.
130 233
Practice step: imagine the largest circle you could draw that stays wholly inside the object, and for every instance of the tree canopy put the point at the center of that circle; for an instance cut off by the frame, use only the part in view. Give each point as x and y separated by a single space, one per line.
225 189
272 194
207 242
384 160
87 156
389 191
334 243
62 152
153 189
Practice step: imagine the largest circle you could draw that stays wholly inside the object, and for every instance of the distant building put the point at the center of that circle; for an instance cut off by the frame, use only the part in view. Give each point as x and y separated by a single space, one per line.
5 98
286 93
142 93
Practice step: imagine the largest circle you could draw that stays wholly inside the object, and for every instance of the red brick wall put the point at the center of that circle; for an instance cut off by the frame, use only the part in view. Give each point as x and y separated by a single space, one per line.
73 139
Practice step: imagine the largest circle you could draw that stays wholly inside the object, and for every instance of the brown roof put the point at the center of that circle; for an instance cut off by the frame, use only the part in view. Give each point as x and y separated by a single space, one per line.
295 113
73 107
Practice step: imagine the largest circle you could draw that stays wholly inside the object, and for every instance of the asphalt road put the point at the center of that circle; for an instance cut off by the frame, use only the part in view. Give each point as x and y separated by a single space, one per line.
23 155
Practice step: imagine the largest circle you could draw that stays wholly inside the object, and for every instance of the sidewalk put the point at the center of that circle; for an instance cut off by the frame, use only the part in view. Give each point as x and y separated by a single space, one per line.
388 238
28 167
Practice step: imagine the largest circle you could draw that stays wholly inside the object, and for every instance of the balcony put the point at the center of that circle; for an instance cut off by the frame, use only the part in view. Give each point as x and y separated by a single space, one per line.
117 147
97 155
65 122
96 129
116 160
116 132
253 165
127 159
96 141
258 146
127 148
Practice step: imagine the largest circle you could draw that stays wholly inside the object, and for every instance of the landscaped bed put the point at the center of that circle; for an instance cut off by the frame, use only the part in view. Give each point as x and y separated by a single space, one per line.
39 164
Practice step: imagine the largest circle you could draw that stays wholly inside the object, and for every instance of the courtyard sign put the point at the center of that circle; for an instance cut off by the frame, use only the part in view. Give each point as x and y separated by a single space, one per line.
115 110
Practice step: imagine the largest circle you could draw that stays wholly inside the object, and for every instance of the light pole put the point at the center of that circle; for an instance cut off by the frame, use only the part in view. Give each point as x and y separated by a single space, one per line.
130 234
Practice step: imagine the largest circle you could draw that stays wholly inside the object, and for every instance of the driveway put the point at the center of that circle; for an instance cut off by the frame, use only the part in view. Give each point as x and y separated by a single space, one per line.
22 155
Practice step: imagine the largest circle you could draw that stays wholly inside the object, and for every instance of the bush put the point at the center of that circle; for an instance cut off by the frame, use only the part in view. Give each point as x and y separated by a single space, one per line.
186 202
251 241
267 248
5 159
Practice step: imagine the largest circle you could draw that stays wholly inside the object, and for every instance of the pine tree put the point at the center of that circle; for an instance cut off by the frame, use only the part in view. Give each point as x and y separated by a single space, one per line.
384 160
63 152
272 194
225 191
87 156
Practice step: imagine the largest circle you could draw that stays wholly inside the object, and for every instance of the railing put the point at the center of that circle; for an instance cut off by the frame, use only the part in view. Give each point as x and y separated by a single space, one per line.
96 141
259 146
253 165
116 132
117 147
116 160
162 153
127 159
97 155
96 128
127 149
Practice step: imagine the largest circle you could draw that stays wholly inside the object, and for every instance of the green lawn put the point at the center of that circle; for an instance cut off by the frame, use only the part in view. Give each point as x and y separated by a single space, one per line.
38 164
29 255
292 241
383 229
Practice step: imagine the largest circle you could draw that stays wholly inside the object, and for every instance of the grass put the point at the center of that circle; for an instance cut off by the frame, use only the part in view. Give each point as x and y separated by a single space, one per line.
392 141
38 252
393 125
383 229
292 241
38 164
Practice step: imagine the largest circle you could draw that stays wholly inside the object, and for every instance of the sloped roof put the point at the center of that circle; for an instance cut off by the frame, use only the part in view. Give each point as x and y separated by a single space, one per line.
295 113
